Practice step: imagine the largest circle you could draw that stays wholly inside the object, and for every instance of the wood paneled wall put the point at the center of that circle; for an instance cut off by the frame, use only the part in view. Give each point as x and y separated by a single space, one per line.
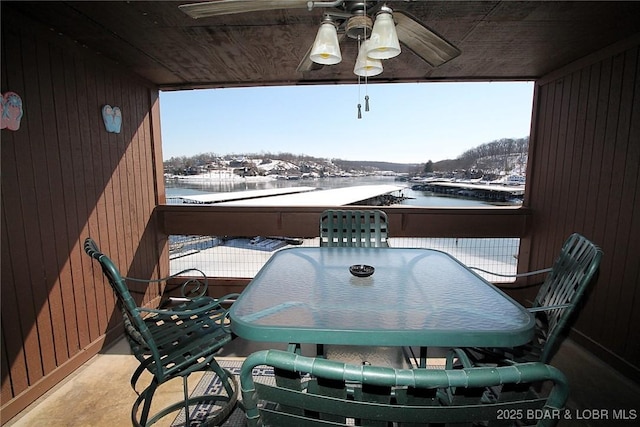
583 177
64 177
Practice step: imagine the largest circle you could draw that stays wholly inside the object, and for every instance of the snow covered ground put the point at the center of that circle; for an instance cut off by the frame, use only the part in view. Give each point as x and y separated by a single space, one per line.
497 255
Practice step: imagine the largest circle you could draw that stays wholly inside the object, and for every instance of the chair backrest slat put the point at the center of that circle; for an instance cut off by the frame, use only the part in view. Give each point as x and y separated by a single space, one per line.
565 286
135 327
374 395
358 228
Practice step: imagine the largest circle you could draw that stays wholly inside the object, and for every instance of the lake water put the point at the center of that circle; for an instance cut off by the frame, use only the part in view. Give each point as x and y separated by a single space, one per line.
415 198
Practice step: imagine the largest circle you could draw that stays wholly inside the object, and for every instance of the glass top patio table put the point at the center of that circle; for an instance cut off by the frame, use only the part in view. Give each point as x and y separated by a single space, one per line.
415 297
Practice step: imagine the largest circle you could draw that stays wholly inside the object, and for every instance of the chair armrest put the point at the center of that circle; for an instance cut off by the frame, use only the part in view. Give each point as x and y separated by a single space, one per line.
547 308
215 303
529 273
199 285
387 376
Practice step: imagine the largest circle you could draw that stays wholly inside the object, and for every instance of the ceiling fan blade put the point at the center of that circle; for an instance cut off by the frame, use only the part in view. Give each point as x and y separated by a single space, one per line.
227 7
422 41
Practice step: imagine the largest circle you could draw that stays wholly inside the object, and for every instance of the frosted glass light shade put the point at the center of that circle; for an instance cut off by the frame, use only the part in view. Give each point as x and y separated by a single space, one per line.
326 49
366 66
384 42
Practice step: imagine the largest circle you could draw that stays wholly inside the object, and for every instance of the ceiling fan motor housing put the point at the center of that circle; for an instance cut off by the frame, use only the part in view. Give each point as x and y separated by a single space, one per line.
359 26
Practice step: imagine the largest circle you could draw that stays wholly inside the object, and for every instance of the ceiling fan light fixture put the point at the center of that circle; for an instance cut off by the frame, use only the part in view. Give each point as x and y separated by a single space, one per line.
365 65
326 48
384 42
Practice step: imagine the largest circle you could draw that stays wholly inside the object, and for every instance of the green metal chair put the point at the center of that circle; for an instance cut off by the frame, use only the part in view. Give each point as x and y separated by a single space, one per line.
321 392
554 305
173 343
358 228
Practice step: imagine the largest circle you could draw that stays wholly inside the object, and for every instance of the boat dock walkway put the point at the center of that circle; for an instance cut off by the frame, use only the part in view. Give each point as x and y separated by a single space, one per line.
241 195
374 195
494 192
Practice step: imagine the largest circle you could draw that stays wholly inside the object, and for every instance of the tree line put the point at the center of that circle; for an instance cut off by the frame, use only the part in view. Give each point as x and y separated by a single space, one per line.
498 150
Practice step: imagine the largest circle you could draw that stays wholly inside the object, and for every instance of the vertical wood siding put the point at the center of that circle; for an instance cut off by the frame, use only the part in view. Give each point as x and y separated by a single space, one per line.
64 178
584 177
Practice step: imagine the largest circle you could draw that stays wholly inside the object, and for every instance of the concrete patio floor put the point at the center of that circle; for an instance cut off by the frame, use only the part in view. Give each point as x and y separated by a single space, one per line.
99 394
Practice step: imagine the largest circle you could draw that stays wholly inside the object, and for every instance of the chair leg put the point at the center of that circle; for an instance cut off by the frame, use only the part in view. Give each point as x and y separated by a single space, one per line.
230 385
185 389
423 357
226 403
419 361
146 395
225 376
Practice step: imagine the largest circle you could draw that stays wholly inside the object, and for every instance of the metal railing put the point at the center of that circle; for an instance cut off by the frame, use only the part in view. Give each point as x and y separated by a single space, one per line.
488 238
242 257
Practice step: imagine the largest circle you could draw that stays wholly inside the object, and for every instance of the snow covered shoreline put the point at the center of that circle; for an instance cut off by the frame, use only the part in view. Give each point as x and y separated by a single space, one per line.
218 176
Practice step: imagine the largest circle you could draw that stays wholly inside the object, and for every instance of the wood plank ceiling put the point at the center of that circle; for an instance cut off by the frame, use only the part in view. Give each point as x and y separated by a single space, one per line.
499 40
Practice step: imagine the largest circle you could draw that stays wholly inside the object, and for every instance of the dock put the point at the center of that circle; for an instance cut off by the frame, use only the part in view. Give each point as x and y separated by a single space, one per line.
373 195
189 246
491 192
241 195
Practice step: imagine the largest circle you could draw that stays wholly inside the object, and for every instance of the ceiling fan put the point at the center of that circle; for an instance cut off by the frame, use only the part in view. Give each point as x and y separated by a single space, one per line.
352 19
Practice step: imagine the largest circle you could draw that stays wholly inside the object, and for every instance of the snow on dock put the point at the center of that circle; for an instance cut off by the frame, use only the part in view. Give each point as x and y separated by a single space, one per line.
241 195
517 190
494 192
332 197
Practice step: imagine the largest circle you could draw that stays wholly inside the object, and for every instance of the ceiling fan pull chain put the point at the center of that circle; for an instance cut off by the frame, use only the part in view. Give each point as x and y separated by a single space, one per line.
366 93
359 105
366 76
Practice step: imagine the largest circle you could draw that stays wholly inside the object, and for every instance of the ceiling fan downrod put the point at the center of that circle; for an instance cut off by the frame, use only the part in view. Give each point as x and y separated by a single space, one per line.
312 4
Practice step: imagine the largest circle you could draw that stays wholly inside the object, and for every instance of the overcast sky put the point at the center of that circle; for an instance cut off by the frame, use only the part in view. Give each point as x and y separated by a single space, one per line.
407 123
